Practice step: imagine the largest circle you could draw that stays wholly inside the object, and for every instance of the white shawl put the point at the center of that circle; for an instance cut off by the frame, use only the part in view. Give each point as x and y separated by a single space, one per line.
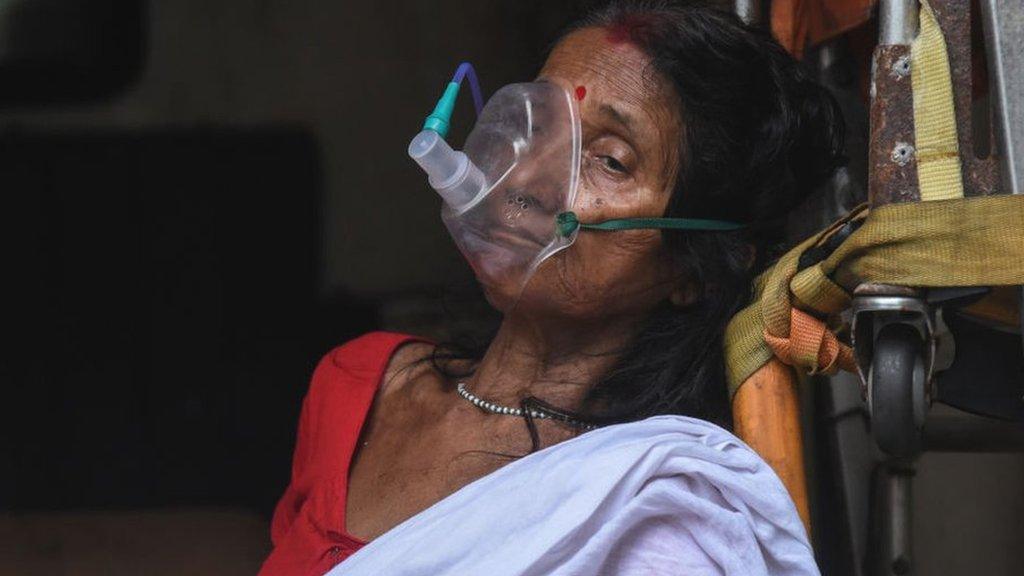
666 495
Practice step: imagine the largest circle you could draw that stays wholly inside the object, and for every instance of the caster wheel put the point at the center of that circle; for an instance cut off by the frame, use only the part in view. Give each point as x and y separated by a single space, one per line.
896 383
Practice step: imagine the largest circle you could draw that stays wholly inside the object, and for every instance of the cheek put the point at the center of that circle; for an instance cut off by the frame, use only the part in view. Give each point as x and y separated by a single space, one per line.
605 272
622 257
596 203
602 273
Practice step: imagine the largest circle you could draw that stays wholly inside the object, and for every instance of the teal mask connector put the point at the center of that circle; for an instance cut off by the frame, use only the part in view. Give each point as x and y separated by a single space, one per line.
450 172
440 119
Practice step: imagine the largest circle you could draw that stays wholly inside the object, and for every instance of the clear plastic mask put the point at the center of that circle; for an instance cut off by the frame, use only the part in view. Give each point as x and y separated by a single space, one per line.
519 171
508 195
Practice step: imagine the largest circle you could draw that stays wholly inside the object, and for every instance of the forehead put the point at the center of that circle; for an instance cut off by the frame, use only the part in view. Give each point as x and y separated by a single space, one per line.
611 71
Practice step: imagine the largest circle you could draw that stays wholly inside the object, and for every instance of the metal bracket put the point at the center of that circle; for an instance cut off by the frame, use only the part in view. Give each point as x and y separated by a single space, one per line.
874 306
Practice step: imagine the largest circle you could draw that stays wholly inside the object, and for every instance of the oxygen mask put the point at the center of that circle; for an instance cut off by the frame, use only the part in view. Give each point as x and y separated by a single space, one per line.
508 194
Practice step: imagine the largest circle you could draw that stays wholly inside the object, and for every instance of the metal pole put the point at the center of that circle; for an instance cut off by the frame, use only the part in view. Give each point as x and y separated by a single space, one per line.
1003 21
893 554
897 22
749 11
1004 35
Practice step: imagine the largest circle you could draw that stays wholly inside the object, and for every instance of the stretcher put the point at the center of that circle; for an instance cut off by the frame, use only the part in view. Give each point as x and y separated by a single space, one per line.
918 291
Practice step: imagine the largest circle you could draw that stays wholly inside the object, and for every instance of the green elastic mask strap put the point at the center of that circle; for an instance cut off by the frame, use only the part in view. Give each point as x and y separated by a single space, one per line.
567 222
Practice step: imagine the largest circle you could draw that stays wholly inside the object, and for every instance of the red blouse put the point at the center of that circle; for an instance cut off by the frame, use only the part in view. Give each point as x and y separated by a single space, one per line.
308 529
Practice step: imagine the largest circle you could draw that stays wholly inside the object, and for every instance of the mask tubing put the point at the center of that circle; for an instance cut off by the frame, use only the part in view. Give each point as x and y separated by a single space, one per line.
465 70
567 222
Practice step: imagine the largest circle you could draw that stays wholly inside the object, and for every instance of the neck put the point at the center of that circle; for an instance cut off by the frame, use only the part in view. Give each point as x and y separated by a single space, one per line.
556 361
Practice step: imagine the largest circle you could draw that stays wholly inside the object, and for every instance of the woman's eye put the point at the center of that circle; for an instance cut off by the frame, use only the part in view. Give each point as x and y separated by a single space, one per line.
612 164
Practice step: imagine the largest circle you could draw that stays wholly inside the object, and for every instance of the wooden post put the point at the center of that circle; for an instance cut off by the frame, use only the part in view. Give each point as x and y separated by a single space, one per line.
766 415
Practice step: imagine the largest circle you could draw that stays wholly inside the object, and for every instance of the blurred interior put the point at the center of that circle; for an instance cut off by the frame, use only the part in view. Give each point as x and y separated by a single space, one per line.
200 199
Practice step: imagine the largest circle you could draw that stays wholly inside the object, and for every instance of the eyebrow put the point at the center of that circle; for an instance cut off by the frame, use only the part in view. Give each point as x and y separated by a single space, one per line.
617 116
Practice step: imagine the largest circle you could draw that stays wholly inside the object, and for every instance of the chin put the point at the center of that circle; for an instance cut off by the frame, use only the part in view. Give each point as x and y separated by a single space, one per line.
505 296
545 291
500 298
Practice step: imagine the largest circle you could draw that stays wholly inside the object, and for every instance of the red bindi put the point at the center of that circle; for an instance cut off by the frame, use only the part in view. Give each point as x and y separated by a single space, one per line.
628 28
581 93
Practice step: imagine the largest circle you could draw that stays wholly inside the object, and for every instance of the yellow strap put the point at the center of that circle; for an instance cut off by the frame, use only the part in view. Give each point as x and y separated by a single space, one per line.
938 154
945 240
975 241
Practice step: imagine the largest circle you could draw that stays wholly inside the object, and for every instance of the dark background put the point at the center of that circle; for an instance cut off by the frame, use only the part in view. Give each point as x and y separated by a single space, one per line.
200 198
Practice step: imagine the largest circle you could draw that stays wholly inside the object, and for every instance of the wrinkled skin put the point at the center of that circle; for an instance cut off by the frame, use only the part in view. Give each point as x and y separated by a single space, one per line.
423 441
631 127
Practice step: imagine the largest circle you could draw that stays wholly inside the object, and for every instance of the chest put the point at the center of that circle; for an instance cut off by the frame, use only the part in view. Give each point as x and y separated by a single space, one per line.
420 448
380 497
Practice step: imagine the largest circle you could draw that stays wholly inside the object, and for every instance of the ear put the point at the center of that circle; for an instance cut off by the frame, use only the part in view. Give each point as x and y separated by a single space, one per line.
683 295
751 255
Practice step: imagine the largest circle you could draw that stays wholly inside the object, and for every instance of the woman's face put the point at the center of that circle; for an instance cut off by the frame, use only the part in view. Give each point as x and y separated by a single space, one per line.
631 132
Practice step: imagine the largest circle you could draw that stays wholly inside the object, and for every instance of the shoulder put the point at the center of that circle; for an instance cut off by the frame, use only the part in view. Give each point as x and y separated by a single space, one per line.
367 351
705 486
717 479
699 445
347 379
702 461
374 357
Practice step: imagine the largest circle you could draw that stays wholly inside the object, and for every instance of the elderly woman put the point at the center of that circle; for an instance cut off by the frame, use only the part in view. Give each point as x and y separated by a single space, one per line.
588 437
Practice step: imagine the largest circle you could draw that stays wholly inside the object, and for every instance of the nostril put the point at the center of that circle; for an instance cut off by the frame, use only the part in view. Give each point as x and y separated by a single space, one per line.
519 202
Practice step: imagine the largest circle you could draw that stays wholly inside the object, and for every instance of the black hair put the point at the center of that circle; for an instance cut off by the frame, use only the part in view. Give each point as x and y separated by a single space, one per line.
759 134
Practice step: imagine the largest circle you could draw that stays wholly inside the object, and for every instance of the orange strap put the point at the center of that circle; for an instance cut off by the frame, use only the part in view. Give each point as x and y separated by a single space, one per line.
811 346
